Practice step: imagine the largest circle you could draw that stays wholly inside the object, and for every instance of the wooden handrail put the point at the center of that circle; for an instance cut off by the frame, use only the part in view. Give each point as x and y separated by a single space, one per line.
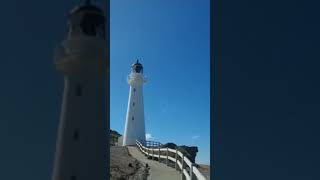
193 170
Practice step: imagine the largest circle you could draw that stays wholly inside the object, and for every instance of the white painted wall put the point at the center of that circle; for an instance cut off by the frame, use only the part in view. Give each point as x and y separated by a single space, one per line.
135 128
81 149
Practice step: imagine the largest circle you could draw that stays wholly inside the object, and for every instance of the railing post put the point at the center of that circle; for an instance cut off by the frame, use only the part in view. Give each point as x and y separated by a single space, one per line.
191 171
182 166
175 165
167 156
159 154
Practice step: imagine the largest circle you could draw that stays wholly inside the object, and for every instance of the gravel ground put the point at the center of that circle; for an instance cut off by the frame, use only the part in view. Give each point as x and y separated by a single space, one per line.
124 167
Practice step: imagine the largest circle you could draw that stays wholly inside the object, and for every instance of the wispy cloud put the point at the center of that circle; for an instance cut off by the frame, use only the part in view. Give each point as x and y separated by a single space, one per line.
195 137
149 136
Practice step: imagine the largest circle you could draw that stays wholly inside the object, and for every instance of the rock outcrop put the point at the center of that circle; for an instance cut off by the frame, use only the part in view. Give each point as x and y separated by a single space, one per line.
114 135
189 151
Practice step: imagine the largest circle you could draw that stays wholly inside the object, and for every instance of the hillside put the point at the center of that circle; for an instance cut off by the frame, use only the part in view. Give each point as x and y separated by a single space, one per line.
124 167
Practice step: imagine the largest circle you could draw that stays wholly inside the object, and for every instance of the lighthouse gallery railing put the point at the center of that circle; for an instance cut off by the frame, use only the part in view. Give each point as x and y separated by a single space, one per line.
179 159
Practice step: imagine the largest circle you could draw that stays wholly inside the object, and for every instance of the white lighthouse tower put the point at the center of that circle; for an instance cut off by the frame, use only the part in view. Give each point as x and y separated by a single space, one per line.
135 127
81 151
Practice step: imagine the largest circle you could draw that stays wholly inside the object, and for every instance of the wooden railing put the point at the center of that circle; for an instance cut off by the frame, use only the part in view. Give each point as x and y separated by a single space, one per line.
152 144
188 169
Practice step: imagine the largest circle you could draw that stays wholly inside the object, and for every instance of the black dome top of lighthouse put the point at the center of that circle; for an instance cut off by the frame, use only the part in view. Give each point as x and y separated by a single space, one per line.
88 20
87 6
137 67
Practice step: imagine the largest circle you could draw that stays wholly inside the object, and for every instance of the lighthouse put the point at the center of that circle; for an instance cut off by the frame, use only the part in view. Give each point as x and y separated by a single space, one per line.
81 149
134 125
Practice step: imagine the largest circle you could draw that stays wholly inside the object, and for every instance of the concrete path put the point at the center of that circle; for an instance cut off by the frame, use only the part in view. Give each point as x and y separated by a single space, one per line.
158 171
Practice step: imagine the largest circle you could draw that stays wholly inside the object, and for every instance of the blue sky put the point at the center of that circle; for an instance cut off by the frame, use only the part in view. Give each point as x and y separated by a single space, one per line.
172 41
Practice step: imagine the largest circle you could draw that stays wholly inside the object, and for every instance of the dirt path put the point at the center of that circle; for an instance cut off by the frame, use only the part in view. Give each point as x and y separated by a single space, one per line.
205 170
158 171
